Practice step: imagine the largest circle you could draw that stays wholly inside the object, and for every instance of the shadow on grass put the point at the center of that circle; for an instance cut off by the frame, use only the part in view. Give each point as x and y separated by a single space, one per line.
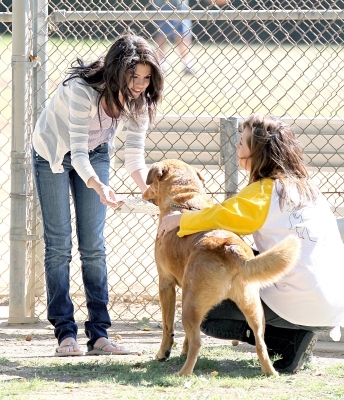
5 363
129 372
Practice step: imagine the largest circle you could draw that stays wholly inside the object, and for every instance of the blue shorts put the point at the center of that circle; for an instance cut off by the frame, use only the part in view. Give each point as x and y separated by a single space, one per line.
175 28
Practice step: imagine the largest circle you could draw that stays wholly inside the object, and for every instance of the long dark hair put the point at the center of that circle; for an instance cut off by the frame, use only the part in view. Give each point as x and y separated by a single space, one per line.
108 76
276 153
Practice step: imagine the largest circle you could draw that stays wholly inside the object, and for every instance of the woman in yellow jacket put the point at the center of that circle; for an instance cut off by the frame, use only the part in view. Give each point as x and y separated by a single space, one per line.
280 199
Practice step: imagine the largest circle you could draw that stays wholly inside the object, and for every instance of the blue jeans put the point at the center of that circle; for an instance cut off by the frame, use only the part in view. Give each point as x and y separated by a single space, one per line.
175 28
54 196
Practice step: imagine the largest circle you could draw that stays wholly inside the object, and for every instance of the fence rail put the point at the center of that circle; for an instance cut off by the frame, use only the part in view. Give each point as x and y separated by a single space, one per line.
194 15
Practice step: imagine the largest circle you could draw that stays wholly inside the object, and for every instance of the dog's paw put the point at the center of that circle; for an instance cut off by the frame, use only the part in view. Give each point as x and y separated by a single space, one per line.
163 357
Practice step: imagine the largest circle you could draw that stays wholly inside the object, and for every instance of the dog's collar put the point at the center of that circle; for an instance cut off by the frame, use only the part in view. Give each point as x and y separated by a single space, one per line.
186 207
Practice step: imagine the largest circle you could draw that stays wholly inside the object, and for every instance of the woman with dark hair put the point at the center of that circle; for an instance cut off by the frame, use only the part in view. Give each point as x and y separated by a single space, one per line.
280 199
71 145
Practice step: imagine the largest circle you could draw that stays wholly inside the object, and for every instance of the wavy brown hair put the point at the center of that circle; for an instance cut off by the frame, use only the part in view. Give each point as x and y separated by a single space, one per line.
276 153
108 76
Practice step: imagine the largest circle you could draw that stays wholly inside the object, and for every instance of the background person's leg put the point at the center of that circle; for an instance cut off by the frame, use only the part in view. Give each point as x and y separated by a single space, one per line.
184 41
178 31
164 35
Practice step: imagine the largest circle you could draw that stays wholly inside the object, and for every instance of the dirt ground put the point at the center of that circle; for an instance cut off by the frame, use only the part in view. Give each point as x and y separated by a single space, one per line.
32 340
23 342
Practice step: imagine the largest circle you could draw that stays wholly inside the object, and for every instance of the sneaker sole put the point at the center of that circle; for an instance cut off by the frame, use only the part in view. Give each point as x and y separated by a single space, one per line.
305 349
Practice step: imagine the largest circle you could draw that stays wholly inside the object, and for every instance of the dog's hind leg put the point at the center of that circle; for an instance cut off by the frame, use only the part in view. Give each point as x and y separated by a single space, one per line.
191 319
185 348
194 309
202 289
167 295
254 315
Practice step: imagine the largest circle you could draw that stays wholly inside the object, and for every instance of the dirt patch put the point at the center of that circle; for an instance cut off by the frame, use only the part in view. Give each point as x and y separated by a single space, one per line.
37 340
23 344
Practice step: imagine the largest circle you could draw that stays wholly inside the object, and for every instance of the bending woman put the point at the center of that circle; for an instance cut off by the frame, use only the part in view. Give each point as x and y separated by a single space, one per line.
280 199
71 145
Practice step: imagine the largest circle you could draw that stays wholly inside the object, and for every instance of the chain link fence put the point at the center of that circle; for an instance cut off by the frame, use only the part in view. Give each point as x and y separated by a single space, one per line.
5 147
223 60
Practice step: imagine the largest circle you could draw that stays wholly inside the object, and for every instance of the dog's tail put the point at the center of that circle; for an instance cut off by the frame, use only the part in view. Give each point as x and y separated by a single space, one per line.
269 266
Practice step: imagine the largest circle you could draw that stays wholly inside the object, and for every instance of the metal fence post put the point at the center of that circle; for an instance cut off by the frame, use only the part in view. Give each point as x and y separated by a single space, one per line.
228 140
40 96
18 229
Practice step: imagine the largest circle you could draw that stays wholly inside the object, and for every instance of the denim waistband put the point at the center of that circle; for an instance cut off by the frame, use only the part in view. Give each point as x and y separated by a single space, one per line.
98 147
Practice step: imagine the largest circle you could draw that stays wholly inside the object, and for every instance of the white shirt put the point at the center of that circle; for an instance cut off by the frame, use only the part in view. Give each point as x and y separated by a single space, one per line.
312 293
64 125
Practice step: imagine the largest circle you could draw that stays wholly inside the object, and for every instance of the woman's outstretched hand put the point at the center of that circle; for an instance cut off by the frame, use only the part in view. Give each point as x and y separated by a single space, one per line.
169 222
106 194
109 197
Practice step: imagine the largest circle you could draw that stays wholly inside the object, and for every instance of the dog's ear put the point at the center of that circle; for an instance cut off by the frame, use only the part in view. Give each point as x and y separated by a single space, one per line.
157 170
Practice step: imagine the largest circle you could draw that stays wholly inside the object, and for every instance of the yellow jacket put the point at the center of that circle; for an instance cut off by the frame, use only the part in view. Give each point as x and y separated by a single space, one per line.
242 214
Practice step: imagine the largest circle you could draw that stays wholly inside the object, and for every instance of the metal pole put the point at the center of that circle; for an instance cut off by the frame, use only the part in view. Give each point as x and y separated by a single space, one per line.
59 16
200 15
340 223
228 140
18 230
40 96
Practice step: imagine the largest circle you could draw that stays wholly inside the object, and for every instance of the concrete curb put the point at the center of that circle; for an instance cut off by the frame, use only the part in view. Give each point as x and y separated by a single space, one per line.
329 347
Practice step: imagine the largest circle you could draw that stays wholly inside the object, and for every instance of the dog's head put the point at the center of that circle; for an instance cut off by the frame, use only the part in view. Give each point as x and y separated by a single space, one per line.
174 181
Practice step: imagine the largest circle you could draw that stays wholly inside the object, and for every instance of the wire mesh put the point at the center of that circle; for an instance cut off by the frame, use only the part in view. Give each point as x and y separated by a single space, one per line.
221 59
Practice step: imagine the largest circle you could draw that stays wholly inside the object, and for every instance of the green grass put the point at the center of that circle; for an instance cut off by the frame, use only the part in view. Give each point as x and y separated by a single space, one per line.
337 371
220 373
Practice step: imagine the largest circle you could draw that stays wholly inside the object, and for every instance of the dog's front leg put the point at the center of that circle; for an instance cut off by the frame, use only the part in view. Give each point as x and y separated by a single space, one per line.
167 294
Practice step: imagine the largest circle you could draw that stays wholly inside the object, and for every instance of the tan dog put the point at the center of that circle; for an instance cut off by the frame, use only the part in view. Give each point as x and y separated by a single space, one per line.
208 266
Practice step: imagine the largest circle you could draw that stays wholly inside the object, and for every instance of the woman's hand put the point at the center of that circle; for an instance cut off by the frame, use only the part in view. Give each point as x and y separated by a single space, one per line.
108 197
106 194
169 222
